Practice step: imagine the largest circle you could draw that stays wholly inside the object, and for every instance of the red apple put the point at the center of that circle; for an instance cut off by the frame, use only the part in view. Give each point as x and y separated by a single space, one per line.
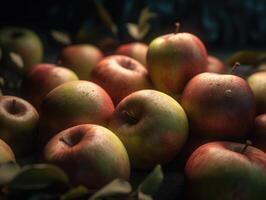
90 154
74 103
215 65
81 58
135 50
42 78
173 59
259 132
219 106
226 170
152 126
119 76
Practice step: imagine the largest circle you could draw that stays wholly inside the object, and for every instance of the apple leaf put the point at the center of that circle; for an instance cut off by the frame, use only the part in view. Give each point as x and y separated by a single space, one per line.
246 57
135 32
144 18
152 182
117 187
8 171
61 37
106 17
75 193
16 59
142 196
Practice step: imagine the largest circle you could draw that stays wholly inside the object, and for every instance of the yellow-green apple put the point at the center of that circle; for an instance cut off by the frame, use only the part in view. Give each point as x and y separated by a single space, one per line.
259 132
21 41
135 50
257 82
152 126
81 58
215 65
219 106
42 78
18 124
90 154
226 170
173 59
6 153
120 75
74 103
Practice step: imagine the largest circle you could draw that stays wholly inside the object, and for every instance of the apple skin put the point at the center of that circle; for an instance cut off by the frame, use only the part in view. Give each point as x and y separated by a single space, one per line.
135 50
215 65
219 106
42 78
120 76
18 124
81 58
152 126
218 170
24 42
173 59
259 132
257 82
74 103
90 154
6 153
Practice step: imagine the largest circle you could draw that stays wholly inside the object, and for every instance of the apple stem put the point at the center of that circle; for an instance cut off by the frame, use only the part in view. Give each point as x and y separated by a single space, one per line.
129 117
237 64
13 105
177 27
248 143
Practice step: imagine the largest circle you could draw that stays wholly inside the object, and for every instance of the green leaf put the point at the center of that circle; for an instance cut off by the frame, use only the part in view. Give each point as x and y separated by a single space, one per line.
135 32
246 57
61 37
75 193
8 171
152 182
16 59
117 187
144 18
106 17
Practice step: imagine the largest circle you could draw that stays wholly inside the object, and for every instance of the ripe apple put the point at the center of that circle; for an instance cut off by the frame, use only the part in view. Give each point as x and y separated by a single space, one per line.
120 75
215 65
42 78
6 153
74 103
135 50
152 126
81 58
219 106
90 154
22 41
226 170
259 132
173 59
257 82
18 124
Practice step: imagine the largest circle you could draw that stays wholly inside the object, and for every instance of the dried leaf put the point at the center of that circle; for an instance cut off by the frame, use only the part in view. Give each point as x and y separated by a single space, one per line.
16 59
133 30
144 18
106 17
61 37
246 57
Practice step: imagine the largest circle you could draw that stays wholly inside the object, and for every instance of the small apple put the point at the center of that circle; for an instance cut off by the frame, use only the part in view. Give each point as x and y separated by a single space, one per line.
219 106
173 59
6 153
90 154
120 75
81 58
74 103
226 170
18 124
215 65
152 126
42 78
135 50
259 132
21 41
257 82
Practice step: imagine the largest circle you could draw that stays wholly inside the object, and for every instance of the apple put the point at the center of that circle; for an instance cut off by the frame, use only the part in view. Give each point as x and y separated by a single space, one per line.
152 126
42 78
120 75
135 50
173 59
219 106
257 82
21 41
74 103
226 170
90 154
6 153
81 58
259 132
215 65
18 124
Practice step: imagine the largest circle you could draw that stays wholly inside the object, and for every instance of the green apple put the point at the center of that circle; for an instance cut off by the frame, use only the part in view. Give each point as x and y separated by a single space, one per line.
6 153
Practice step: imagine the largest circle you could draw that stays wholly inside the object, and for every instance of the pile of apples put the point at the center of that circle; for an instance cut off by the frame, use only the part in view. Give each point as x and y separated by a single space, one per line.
100 117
